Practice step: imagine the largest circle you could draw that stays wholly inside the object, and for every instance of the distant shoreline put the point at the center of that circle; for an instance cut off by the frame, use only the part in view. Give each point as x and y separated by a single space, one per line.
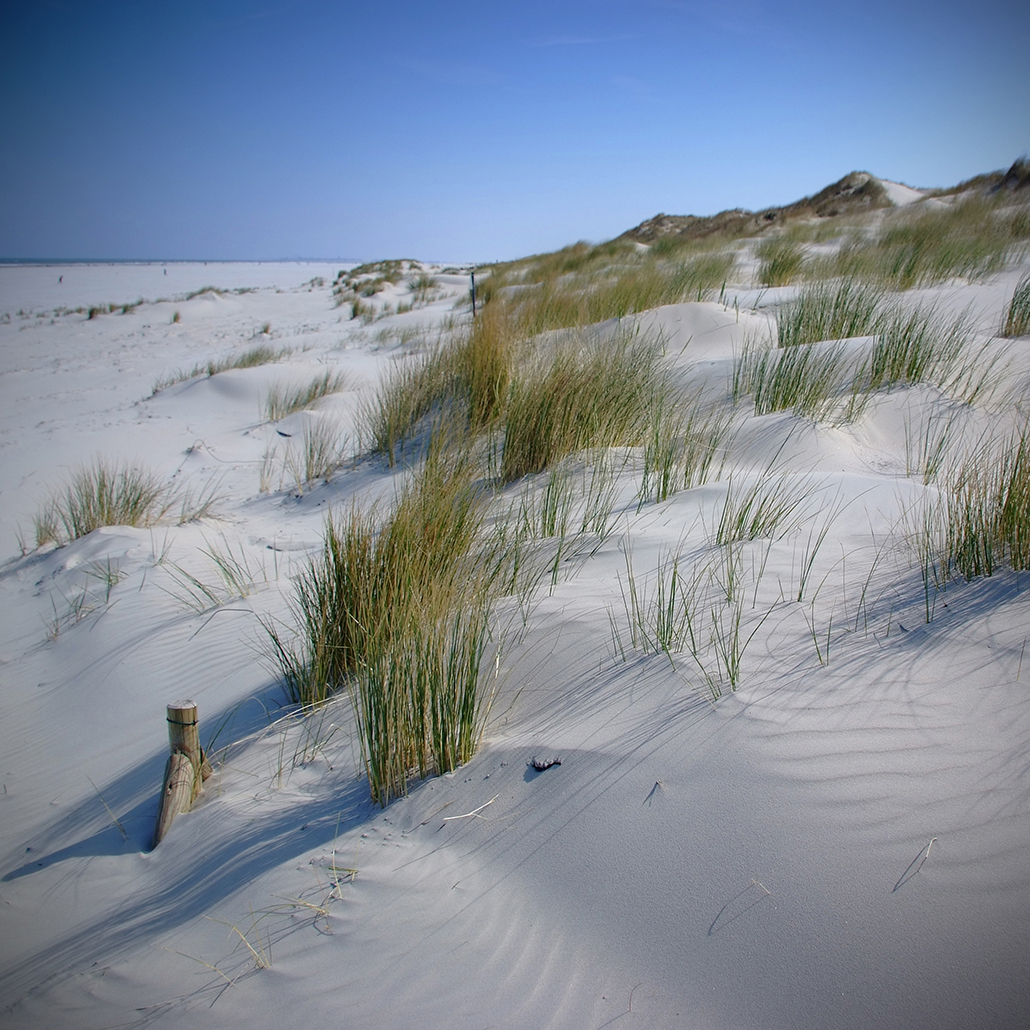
47 262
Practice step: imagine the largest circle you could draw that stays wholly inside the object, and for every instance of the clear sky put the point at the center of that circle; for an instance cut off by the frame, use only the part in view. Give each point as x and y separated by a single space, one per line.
470 131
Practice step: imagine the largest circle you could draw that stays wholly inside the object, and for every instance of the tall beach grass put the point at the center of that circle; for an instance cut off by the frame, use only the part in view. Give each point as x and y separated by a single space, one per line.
396 611
971 238
1017 318
106 493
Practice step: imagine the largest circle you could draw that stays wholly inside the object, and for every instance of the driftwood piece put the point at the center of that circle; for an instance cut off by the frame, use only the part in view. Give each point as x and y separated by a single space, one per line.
177 795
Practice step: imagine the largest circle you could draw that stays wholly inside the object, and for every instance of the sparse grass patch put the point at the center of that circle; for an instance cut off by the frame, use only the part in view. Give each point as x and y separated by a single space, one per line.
684 439
322 451
807 379
829 311
699 610
764 509
1017 319
203 289
923 246
101 494
929 445
284 400
780 259
262 354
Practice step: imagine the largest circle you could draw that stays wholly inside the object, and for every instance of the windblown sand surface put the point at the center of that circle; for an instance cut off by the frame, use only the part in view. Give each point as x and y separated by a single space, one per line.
841 842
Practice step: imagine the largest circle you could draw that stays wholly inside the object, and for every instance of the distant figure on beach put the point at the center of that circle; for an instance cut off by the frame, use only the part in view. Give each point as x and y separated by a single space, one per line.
60 278
166 271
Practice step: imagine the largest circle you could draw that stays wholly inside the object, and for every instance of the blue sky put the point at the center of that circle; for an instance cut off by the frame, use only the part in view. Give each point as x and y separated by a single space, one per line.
472 131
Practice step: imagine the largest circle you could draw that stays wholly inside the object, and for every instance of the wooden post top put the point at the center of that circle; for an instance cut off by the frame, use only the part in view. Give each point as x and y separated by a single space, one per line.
184 713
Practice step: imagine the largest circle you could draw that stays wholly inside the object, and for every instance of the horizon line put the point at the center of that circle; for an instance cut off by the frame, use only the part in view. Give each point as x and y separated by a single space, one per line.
172 261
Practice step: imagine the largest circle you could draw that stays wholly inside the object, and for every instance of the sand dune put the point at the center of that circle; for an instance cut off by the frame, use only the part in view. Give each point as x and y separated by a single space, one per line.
839 842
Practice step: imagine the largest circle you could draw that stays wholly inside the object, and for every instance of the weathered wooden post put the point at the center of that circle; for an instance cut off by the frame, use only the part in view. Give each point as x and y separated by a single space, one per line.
187 766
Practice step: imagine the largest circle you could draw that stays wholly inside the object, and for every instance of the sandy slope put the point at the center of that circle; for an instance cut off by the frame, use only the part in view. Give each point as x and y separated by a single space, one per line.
832 845
901 195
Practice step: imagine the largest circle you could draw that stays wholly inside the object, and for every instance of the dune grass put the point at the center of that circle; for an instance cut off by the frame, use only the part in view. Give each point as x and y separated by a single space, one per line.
581 393
101 494
766 508
283 400
262 354
615 292
114 494
915 346
988 509
464 374
684 439
396 610
827 382
1017 318
542 401
408 394
836 310
781 258
322 449
695 609
930 442
807 379
979 523
922 246
583 284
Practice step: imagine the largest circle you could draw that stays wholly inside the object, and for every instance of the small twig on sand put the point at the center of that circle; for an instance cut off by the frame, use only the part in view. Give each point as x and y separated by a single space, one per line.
475 811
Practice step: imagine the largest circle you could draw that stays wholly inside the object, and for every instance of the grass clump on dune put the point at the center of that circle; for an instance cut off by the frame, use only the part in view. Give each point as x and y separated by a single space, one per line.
107 494
467 376
580 393
542 401
829 311
395 610
98 495
1017 319
285 400
988 510
807 379
262 354
927 245
824 381
780 260
915 346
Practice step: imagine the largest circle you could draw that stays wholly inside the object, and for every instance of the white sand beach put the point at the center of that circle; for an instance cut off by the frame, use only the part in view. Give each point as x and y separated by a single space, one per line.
839 839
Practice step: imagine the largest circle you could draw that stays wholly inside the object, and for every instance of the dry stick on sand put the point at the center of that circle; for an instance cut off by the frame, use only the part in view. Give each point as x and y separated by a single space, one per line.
914 866
475 811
